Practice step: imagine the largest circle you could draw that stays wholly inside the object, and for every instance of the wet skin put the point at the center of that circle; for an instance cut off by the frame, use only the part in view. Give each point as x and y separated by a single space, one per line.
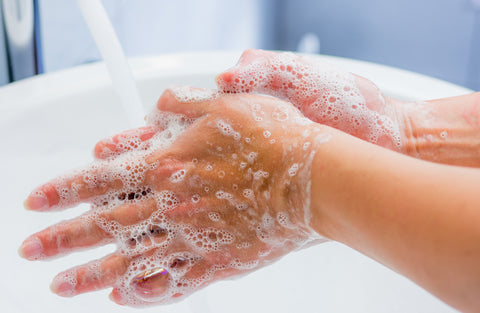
228 196
406 213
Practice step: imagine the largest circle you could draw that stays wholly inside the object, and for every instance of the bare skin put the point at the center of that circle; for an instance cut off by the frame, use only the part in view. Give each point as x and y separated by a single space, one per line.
236 177
431 234
443 131
420 219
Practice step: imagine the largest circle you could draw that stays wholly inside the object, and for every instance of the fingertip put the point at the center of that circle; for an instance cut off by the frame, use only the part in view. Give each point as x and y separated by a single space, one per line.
62 287
228 82
26 205
225 77
165 99
105 149
99 150
116 297
36 201
166 96
31 249
21 253
246 75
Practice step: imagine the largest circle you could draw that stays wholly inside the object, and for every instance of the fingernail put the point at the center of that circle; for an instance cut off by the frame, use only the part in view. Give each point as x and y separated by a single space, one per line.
36 201
62 288
31 249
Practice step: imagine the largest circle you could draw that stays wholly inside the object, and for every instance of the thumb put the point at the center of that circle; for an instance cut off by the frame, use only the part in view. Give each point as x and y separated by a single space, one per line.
189 101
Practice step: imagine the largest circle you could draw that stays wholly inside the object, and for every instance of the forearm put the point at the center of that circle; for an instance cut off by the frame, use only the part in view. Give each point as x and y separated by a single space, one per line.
443 131
420 219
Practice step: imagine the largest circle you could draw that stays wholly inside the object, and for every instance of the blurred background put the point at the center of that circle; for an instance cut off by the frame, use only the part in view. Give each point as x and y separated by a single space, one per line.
439 38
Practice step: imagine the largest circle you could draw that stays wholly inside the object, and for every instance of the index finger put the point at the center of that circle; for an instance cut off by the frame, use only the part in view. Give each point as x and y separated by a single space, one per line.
68 190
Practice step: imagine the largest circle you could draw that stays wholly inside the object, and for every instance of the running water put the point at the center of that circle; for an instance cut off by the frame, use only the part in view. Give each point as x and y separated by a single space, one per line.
107 42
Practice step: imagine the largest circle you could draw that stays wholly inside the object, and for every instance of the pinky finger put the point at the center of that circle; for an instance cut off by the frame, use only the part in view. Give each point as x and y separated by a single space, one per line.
116 296
96 275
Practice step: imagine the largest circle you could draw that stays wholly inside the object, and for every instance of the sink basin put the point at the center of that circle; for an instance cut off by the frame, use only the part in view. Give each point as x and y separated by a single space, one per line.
50 123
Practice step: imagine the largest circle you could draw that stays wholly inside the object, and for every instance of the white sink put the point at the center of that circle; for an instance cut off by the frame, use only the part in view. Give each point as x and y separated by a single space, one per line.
50 123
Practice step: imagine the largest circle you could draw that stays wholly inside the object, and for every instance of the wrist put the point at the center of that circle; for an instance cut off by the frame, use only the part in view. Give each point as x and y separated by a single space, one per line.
323 193
292 196
442 131
341 169
407 123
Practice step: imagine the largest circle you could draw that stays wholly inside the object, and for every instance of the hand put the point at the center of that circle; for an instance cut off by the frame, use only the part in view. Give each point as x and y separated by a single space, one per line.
320 91
214 186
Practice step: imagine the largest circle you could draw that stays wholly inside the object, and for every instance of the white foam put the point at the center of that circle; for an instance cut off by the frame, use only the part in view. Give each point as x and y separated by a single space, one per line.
165 244
323 92
228 130
189 94
178 176
292 171
214 216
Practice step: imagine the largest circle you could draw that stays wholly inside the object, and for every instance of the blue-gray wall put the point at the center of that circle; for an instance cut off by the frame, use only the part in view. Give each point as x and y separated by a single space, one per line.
440 38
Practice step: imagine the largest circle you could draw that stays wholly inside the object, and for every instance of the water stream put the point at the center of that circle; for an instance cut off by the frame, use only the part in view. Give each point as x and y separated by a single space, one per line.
107 42
123 83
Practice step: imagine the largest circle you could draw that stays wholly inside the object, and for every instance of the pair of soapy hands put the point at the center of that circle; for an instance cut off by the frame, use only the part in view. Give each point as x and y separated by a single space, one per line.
214 186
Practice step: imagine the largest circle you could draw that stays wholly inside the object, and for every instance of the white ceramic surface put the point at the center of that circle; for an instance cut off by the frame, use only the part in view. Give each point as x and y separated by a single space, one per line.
49 124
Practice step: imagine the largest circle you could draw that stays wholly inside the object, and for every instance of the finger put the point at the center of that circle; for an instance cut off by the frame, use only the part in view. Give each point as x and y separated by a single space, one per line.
144 234
154 285
98 274
86 231
284 75
186 100
134 139
251 71
200 275
64 238
149 229
117 296
163 282
158 285
132 213
71 189
155 289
